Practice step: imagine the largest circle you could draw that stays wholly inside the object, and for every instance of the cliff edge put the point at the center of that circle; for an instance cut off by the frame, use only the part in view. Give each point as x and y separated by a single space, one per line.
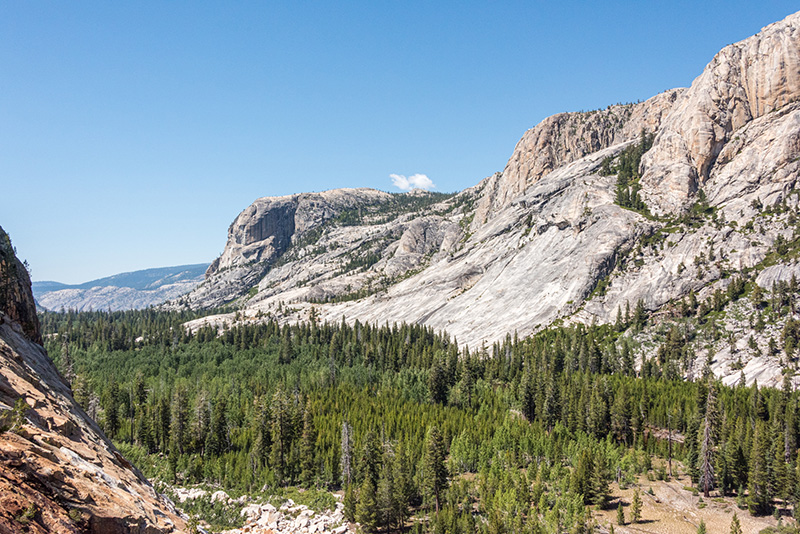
58 471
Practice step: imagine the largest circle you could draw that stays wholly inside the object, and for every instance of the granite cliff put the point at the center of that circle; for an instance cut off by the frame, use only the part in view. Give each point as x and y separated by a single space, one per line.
548 238
58 471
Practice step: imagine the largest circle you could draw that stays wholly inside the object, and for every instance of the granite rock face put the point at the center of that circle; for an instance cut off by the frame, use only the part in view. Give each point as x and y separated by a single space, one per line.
264 231
16 300
567 137
58 472
746 80
545 239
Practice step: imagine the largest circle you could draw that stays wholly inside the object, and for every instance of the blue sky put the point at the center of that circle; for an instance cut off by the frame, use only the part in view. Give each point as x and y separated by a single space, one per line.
133 133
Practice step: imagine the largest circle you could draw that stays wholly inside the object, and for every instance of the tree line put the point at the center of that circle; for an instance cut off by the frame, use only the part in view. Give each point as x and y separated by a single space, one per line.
519 436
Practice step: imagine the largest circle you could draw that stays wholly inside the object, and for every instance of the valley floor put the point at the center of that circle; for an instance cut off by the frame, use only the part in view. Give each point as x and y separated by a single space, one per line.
673 509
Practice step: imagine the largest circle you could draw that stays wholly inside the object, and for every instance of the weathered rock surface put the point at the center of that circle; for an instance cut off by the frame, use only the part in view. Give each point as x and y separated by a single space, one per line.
745 81
263 517
530 245
58 472
265 230
126 291
567 137
15 291
293 518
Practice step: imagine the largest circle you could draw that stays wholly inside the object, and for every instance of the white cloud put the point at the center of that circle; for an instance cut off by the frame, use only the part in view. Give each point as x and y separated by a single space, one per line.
415 181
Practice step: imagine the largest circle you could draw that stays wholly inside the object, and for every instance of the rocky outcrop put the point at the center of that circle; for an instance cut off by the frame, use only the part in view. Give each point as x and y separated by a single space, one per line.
264 231
745 81
58 472
16 301
265 518
568 137
269 225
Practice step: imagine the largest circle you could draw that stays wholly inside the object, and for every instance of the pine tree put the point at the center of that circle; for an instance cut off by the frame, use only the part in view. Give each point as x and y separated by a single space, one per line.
367 507
67 366
286 354
528 396
262 445
701 529
308 450
349 503
435 474
758 500
217 437
437 384
584 477
639 315
347 454
179 421
386 492
636 506
369 459
281 435
736 527
707 476
202 421
621 416
598 421
620 513
403 484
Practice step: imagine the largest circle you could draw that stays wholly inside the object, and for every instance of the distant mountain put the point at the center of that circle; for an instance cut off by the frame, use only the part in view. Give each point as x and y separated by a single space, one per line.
125 291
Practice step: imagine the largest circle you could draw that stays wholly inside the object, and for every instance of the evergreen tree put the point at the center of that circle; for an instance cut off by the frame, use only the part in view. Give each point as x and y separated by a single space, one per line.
736 526
67 365
621 416
369 459
435 473
636 506
281 422
639 315
111 407
202 421
437 384
217 437
403 484
386 492
287 347
308 450
620 513
349 503
179 420
347 454
759 499
528 396
701 529
367 507
707 476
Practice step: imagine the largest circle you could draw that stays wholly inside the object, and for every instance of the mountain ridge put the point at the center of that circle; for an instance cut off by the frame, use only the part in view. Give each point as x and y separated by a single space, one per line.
552 237
128 290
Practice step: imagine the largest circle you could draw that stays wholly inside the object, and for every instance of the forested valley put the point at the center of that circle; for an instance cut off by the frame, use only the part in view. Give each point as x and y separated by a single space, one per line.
418 432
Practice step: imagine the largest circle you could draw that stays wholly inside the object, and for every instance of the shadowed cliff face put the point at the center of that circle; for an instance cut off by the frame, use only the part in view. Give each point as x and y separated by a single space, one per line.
16 299
58 471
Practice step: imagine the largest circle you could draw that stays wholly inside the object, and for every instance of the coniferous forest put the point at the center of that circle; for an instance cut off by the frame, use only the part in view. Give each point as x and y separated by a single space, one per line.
416 431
